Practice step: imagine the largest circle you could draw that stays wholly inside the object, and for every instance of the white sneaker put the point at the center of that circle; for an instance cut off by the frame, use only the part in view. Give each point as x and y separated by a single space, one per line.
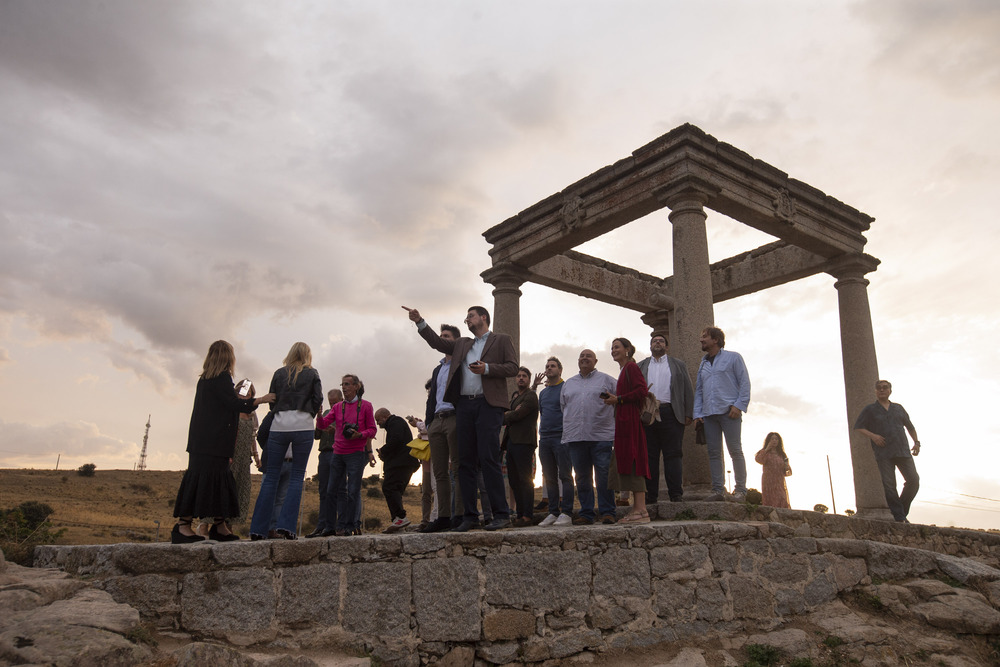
397 525
548 521
563 520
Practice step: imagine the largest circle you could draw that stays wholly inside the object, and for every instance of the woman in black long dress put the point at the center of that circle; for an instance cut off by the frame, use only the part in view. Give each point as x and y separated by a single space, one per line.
208 488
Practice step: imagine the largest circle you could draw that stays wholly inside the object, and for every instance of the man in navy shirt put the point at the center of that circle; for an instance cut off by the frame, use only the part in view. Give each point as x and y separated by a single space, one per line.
884 423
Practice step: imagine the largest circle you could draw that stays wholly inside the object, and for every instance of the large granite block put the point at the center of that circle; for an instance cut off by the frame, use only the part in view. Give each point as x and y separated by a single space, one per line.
692 559
446 599
309 594
377 599
539 581
622 573
237 604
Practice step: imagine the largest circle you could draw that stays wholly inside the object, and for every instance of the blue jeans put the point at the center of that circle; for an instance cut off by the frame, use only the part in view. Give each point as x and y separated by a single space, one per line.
326 520
345 483
277 445
592 458
899 504
556 466
478 430
282 492
715 427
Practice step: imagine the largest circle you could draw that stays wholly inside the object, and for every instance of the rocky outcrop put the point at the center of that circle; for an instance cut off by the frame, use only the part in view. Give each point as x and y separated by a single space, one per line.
52 618
541 594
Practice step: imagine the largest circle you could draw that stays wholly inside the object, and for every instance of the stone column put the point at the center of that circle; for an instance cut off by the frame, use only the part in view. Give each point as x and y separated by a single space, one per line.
693 309
506 281
857 343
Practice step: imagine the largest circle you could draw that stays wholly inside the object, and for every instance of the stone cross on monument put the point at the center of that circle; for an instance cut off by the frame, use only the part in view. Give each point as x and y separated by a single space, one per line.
689 171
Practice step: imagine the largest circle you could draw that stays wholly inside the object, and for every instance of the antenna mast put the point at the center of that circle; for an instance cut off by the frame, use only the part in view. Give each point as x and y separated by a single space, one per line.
145 439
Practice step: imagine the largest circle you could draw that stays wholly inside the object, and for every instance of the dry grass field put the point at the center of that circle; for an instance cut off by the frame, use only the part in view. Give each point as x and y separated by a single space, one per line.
124 505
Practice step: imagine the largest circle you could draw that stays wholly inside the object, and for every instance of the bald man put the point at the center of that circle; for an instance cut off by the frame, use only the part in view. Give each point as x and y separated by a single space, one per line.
397 465
589 432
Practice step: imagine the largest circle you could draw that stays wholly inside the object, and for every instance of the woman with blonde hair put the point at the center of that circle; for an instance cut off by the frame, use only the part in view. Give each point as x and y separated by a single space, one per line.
776 467
208 488
298 397
630 462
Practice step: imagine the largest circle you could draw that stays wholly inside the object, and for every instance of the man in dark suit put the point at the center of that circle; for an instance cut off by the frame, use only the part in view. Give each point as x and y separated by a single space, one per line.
477 387
670 382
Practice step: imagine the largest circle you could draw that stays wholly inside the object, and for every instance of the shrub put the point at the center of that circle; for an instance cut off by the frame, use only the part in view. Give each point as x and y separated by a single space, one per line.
821 508
24 527
374 492
754 497
849 512
87 470
763 654
372 523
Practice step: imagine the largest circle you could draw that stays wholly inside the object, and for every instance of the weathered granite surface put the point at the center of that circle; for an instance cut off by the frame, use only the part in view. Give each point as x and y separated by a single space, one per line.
538 594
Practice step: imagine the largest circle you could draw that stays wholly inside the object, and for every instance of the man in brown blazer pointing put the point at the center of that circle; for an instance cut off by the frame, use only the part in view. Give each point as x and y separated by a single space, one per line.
477 387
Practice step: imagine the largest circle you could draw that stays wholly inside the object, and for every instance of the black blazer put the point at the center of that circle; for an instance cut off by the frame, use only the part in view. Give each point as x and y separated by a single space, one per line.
432 397
215 416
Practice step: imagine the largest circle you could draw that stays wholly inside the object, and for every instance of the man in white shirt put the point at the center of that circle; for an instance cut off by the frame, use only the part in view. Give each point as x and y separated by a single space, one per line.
589 431
670 382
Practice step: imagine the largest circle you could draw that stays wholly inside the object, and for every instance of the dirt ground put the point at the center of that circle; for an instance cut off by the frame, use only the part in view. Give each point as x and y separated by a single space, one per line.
125 505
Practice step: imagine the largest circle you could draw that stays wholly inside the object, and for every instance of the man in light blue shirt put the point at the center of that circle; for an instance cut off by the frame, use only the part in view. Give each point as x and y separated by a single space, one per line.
721 396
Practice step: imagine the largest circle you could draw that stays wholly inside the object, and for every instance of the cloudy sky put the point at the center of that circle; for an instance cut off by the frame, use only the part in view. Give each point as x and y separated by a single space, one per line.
172 173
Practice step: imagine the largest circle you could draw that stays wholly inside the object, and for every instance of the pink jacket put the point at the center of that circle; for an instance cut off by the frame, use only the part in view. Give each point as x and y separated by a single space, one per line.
359 412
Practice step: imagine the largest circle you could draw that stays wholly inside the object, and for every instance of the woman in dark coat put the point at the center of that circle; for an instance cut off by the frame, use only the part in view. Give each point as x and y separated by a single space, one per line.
630 463
208 488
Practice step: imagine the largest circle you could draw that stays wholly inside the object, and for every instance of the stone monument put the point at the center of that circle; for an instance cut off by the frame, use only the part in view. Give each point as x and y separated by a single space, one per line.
689 172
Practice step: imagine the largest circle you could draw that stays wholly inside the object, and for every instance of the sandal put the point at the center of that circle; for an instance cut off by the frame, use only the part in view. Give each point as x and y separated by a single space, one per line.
635 517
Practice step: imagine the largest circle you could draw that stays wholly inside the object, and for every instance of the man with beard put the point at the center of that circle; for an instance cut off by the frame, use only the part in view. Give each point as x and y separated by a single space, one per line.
477 387
721 396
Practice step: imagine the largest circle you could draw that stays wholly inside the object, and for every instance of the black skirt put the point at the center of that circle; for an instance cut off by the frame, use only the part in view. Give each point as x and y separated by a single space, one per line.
207 489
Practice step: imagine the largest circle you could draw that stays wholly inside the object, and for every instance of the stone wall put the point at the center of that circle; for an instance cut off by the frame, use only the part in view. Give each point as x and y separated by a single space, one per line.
524 595
978 544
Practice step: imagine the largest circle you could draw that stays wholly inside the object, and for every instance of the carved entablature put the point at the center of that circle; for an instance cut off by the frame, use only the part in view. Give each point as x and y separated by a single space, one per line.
573 212
784 206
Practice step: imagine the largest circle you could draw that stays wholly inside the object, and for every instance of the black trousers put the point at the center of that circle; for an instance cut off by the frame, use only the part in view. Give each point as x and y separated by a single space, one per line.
519 460
665 438
394 482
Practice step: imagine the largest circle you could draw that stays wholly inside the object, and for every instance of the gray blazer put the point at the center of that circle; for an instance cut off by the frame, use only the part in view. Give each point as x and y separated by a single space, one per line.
681 391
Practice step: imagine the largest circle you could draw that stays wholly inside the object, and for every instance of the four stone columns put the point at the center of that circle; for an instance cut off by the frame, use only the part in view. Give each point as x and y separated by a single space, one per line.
693 310
857 344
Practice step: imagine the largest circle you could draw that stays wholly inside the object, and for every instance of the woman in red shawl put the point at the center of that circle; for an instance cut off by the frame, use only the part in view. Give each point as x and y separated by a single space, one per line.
630 463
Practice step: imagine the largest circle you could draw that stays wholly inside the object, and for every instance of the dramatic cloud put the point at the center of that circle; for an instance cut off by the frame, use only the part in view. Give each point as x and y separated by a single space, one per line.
177 172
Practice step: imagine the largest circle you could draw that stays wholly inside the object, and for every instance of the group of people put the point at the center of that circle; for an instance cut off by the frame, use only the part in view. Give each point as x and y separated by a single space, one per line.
588 429
595 434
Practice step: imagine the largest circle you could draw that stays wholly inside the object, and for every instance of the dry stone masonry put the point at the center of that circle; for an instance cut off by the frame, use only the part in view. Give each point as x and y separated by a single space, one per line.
542 594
